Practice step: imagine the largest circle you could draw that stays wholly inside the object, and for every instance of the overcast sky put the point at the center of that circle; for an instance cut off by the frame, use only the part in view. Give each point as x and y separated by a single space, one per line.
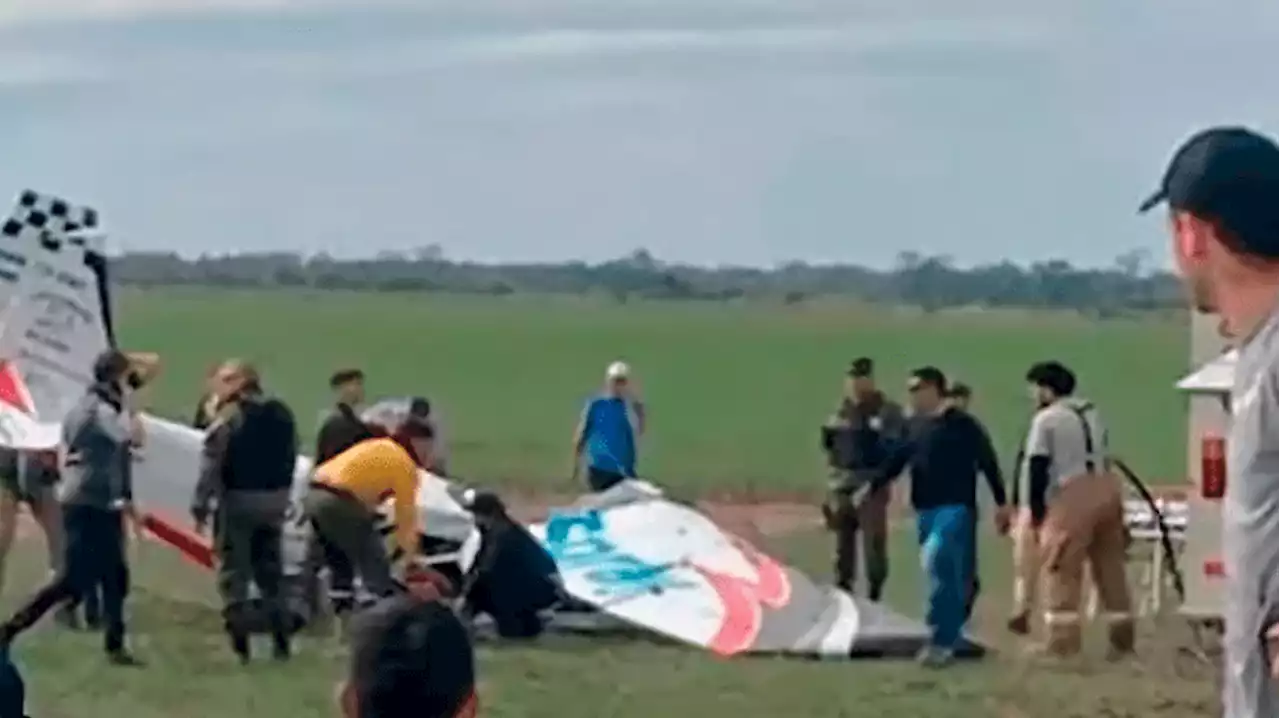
710 131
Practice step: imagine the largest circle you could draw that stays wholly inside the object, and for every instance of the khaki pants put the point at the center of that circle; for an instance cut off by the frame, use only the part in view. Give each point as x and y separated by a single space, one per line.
1085 525
1026 565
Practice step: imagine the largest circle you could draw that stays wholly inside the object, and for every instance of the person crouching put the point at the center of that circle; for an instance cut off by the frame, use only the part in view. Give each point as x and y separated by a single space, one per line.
342 503
513 579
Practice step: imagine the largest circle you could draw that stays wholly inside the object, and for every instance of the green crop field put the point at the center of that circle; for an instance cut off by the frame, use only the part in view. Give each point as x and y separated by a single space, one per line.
735 395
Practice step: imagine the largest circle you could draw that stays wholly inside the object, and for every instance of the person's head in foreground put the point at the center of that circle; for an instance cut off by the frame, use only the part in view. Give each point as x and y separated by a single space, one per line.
409 659
960 396
617 378
13 694
1223 196
348 386
1049 381
860 381
927 388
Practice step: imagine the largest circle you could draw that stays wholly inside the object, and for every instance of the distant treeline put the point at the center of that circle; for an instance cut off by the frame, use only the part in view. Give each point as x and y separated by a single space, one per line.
930 282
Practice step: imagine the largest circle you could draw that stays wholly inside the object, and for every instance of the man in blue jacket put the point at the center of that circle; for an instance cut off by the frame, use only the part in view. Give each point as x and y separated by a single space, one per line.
608 432
945 453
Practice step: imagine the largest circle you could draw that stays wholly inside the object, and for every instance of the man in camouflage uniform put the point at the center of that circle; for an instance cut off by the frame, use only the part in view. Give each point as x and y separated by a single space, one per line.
857 439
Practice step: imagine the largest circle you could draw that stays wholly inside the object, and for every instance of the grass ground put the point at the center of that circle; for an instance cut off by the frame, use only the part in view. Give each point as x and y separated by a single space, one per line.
735 395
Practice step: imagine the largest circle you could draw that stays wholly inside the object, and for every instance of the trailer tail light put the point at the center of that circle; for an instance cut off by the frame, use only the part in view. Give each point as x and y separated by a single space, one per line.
1213 467
1215 569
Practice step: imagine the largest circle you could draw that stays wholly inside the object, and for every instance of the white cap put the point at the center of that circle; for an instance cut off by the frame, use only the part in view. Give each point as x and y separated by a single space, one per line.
618 370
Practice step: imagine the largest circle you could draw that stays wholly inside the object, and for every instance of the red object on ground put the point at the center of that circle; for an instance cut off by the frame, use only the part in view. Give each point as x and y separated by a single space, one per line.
189 543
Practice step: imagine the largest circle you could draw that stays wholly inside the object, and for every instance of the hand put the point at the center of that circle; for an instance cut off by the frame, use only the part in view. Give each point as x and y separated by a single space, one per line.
1004 519
200 520
1272 636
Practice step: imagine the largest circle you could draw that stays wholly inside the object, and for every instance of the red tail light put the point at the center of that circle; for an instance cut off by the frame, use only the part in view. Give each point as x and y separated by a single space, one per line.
1214 569
1213 467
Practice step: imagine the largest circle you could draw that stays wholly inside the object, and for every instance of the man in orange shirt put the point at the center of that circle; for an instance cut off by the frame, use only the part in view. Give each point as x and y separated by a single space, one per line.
342 505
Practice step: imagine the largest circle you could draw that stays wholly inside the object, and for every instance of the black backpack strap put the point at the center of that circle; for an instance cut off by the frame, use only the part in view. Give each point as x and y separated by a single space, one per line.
1089 463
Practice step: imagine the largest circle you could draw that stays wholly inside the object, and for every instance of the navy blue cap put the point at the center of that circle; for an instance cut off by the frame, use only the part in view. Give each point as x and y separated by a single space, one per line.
1227 175
13 694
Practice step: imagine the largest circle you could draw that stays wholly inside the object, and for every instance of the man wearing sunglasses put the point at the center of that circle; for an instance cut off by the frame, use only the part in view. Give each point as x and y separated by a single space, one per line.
945 453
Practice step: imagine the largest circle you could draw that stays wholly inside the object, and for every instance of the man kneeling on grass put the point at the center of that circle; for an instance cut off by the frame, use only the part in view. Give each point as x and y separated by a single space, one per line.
945 453
410 658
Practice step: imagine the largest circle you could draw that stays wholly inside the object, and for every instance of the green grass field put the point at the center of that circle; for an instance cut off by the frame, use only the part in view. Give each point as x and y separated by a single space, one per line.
735 396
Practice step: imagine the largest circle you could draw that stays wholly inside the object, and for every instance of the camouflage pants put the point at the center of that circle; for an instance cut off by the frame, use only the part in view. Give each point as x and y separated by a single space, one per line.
250 527
847 522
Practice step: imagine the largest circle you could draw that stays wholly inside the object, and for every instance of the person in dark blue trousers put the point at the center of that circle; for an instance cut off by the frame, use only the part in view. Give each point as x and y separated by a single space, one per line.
608 432
946 450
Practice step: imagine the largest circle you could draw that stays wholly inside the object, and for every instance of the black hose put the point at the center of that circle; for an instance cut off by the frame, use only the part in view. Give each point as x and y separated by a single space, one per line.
1166 541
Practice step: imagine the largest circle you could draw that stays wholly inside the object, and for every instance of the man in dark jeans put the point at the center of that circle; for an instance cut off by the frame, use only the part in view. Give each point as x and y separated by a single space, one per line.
247 468
96 501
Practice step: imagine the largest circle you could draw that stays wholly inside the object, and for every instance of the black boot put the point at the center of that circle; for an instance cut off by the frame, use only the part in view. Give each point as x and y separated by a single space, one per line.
874 592
123 657
280 648
240 646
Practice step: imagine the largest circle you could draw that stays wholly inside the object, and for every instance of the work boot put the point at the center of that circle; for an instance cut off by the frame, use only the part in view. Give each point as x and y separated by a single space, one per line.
124 658
874 592
240 646
1121 640
280 648
1019 623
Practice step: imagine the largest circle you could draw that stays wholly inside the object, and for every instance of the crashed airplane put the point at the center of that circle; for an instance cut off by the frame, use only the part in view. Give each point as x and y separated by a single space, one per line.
627 557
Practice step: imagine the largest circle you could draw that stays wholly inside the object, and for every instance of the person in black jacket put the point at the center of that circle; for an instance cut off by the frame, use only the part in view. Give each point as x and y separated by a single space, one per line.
513 579
247 469
343 428
945 453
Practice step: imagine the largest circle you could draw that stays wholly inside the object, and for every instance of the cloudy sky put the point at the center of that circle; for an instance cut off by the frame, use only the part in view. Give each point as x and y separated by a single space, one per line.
710 131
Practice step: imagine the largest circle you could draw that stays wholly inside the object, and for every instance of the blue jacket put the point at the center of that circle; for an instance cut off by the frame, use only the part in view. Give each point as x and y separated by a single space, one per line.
609 436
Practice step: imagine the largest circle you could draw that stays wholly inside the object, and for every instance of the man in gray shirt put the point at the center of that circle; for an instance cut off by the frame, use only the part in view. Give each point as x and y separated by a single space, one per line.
97 493
1222 191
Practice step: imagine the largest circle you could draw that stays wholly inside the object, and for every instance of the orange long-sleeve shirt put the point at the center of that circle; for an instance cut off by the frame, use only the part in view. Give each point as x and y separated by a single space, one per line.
372 471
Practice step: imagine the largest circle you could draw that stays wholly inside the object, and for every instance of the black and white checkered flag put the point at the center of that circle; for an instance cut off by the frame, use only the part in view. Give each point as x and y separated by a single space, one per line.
50 218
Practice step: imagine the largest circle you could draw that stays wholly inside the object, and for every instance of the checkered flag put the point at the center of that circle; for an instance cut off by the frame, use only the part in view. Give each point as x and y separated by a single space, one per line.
49 218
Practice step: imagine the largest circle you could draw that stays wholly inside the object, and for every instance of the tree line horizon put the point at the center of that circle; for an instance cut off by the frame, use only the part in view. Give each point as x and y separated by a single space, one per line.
931 282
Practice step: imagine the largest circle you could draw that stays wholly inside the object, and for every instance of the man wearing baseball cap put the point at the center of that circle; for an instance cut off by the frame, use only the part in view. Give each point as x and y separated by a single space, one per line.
1222 192
608 431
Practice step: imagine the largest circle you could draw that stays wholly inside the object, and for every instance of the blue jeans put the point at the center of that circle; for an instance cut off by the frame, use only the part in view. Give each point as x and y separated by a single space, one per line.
945 534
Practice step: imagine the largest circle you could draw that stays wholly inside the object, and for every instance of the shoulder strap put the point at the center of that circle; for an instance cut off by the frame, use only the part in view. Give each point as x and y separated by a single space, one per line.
1089 463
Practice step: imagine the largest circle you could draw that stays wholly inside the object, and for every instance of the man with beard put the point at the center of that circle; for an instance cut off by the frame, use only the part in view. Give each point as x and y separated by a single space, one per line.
1075 505
1221 189
857 439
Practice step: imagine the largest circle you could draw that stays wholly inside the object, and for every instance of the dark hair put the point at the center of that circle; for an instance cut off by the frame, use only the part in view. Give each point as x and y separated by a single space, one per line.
932 376
410 659
862 367
487 503
345 376
110 366
1053 376
960 390
419 407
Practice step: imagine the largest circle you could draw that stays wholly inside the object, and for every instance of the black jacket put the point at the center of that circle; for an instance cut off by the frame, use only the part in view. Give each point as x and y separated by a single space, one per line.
253 446
341 431
945 455
863 433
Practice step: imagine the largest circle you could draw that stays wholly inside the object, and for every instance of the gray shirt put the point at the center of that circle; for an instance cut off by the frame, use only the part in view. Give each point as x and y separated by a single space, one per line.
1249 528
97 434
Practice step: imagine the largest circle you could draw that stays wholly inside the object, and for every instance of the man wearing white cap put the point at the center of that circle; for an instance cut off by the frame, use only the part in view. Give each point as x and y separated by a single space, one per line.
608 431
